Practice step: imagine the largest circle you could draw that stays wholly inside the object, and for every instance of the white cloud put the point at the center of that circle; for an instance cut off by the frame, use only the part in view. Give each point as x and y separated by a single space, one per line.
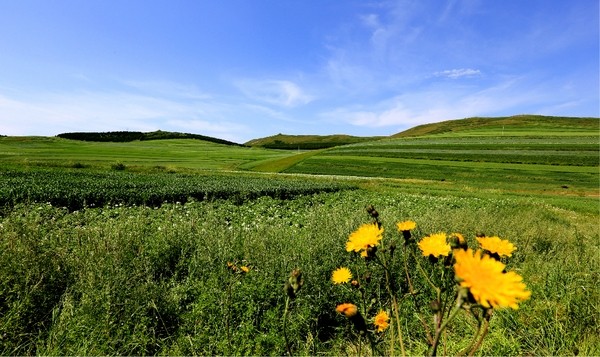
433 105
282 93
458 73
54 113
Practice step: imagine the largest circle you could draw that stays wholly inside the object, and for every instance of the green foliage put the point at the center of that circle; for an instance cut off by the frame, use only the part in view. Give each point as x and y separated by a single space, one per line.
127 136
308 142
76 189
140 280
119 166
548 165
174 154
515 125
96 261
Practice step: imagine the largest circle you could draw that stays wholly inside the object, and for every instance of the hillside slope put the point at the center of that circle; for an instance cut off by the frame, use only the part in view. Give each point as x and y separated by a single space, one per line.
520 123
307 142
518 154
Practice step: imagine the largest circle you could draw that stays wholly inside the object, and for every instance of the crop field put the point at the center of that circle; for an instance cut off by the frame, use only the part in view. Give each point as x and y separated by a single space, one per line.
550 164
161 155
178 247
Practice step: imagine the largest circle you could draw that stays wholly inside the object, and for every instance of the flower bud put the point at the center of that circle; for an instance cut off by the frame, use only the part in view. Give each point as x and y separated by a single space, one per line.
435 306
372 211
294 283
351 312
457 241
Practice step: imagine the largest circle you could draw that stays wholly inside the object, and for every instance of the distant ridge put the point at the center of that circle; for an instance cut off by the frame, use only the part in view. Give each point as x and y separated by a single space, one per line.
307 142
524 120
127 136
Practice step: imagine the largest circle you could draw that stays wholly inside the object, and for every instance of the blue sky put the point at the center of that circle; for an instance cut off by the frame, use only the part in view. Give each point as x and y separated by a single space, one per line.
244 69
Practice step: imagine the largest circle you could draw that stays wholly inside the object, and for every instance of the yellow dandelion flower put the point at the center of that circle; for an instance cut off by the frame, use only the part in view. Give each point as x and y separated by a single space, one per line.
245 269
435 245
347 309
341 275
381 321
484 278
406 226
502 247
367 235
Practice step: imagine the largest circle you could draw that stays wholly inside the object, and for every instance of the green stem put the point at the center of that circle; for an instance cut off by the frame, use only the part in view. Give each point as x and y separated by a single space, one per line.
427 277
483 334
413 293
440 329
472 343
285 312
228 315
395 302
395 305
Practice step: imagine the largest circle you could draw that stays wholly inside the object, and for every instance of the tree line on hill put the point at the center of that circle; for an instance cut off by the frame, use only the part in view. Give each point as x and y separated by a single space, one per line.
127 136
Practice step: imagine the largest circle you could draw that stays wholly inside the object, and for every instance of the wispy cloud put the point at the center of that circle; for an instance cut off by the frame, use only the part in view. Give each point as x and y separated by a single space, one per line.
53 113
458 73
282 93
168 89
436 104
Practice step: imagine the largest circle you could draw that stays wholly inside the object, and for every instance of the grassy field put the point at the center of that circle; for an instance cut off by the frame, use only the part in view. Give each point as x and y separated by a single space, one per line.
142 263
307 142
162 155
536 160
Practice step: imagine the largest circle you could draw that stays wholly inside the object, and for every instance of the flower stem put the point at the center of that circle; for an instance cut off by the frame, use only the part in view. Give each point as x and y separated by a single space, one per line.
427 277
472 343
483 334
228 309
440 329
395 305
285 313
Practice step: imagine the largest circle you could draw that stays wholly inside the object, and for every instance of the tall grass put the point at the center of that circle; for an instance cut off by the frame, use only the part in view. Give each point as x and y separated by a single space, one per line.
140 280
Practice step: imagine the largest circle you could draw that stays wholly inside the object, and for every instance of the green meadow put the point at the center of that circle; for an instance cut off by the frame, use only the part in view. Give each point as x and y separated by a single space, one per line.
127 248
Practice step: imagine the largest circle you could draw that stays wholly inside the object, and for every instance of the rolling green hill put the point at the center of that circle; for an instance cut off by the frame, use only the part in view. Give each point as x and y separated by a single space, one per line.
166 155
523 153
307 142
513 125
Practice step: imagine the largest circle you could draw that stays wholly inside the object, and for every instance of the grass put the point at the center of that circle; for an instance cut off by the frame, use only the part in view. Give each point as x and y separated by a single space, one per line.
138 280
536 164
519 125
173 154
131 279
307 142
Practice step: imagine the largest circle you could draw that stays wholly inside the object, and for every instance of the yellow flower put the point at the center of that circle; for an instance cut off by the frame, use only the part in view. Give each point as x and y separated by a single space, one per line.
381 321
347 309
435 245
367 235
341 275
484 278
406 226
245 269
502 247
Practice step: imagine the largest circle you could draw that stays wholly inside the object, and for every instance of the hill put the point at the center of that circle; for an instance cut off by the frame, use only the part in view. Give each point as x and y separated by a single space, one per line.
521 123
128 136
307 142
170 155
555 155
